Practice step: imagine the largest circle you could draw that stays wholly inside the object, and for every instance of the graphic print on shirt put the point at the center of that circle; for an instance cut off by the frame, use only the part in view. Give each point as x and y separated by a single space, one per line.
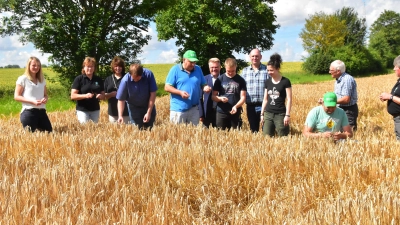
330 124
273 94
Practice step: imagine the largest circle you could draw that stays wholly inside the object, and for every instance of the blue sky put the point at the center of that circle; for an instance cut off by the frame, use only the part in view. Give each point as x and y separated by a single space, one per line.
291 15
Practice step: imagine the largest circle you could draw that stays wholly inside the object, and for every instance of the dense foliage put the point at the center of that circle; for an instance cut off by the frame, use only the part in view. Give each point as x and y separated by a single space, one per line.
339 36
218 28
72 30
385 37
322 32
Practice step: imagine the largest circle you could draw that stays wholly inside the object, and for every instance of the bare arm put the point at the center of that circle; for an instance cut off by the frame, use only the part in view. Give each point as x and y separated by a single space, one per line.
76 96
289 101
110 95
18 95
172 89
344 100
265 102
152 100
386 96
121 108
217 98
308 132
347 133
150 106
242 99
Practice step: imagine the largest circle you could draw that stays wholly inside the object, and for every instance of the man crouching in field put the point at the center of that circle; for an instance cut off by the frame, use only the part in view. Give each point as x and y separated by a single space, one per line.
327 121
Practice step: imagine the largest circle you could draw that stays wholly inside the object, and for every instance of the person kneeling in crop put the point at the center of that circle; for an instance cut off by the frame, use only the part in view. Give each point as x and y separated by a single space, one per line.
328 121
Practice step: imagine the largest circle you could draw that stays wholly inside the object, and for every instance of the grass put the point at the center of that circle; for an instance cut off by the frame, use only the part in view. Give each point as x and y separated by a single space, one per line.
115 174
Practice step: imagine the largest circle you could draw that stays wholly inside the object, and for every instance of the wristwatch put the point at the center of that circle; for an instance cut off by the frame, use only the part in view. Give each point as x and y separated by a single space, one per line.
391 97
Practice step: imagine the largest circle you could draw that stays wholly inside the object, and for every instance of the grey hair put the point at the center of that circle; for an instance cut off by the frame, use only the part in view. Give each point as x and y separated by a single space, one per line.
339 65
396 61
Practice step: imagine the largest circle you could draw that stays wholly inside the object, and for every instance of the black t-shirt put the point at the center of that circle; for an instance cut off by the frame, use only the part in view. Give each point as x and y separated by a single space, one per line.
230 88
277 95
84 85
111 83
392 107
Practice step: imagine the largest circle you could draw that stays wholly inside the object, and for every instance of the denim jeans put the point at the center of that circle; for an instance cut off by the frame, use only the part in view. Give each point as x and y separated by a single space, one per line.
36 119
274 122
191 116
86 116
253 115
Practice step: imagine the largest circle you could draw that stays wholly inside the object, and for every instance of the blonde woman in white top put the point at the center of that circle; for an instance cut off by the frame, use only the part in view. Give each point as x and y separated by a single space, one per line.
31 91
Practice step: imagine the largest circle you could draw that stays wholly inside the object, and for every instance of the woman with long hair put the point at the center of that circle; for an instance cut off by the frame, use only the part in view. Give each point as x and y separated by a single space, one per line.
31 91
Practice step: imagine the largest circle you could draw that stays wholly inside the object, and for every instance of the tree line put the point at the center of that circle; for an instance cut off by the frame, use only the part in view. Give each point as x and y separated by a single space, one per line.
343 34
70 30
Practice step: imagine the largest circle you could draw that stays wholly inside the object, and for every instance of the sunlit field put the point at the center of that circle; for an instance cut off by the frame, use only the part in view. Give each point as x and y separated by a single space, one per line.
175 174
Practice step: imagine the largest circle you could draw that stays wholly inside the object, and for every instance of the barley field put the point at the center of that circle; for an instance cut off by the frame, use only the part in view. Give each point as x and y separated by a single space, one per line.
175 174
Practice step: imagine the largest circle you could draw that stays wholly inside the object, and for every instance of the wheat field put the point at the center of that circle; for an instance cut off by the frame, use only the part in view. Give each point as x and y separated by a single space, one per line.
175 174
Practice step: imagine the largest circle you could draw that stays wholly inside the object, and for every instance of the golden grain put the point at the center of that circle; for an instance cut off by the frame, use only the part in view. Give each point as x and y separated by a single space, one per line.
115 174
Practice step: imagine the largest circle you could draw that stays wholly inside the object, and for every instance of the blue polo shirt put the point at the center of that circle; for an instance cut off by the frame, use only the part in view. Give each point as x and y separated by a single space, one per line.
137 94
190 82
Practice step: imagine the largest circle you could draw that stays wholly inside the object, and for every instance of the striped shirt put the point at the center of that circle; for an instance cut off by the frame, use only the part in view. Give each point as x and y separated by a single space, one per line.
345 85
255 83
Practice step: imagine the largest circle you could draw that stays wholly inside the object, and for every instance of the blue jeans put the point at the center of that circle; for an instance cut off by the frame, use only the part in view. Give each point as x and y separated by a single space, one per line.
397 127
253 115
86 116
36 119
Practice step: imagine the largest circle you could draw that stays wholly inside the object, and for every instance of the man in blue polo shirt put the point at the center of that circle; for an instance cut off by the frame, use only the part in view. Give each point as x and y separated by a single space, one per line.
184 82
138 89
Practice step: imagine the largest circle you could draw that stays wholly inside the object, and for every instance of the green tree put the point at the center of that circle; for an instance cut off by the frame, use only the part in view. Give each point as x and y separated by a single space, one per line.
356 27
322 32
72 30
385 37
218 28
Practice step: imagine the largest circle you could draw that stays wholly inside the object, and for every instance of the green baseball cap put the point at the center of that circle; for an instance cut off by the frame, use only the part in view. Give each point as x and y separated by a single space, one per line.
330 99
191 55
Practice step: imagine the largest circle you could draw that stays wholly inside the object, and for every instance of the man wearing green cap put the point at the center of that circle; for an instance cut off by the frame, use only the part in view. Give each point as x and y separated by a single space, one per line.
327 120
185 82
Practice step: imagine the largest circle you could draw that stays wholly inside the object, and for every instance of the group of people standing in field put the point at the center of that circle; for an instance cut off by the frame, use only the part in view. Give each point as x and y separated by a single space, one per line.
215 99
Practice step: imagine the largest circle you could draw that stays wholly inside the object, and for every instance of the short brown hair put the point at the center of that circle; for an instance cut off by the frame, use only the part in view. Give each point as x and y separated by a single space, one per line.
136 69
88 60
